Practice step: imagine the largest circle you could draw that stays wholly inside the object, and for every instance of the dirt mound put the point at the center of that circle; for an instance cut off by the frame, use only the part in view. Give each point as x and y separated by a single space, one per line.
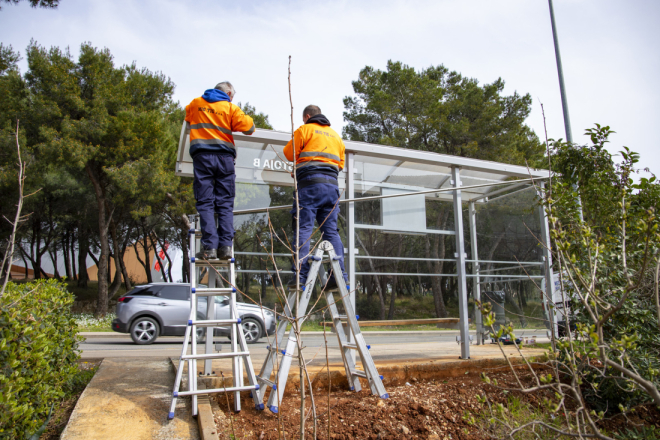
422 410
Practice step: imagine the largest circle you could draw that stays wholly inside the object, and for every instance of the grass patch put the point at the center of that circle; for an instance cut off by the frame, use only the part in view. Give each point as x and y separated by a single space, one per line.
87 322
514 413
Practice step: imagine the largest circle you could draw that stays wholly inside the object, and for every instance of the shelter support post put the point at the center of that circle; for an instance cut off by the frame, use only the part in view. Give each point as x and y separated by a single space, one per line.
460 265
476 293
549 294
350 242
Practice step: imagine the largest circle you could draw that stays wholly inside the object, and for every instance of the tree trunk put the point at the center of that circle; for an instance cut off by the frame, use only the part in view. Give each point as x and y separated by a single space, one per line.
436 282
116 282
83 250
53 258
103 221
65 254
145 247
72 248
124 272
395 282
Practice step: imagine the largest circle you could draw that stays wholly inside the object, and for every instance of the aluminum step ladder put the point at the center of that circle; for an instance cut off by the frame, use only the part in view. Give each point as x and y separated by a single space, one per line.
286 349
239 353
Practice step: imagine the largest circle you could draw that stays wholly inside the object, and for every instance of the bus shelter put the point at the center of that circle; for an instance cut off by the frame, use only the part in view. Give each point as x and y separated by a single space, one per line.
410 220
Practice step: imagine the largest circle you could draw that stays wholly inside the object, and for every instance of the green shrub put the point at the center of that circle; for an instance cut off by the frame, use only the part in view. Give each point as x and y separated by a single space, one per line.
38 353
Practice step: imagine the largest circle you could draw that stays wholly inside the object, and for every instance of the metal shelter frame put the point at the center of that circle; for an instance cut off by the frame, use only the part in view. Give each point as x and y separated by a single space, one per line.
497 179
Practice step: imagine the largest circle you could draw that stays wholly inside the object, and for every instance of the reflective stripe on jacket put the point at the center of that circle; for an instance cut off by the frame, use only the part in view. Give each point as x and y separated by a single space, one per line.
212 124
316 146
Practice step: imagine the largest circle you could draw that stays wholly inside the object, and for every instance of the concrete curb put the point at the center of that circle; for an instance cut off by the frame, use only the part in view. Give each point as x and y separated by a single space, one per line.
205 406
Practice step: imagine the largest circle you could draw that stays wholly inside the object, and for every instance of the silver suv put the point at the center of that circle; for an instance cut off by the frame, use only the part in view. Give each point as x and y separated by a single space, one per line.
155 309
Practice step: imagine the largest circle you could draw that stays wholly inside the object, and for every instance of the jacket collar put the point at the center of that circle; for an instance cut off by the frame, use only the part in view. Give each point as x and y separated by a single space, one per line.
318 119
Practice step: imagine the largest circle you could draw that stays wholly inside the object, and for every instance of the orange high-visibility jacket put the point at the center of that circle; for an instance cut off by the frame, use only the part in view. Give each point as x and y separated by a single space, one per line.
212 124
317 147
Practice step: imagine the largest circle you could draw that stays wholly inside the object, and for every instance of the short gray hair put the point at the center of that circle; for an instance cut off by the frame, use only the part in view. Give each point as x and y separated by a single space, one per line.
226 87
312 110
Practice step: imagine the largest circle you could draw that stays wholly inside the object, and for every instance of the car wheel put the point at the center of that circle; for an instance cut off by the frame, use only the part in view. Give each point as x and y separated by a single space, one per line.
144 331
251 330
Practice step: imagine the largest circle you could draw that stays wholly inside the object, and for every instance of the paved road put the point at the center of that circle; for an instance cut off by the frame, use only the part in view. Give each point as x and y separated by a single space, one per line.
100 347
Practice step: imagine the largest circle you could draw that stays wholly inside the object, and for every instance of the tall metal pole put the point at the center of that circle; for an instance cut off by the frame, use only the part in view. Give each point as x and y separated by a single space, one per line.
476 292
460 265
560 72
564 101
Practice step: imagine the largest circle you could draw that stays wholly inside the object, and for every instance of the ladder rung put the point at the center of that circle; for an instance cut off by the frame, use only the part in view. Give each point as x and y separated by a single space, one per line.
345 318
214 322
216 390
270 383
359 373
349 345
213 263
215 355
208 291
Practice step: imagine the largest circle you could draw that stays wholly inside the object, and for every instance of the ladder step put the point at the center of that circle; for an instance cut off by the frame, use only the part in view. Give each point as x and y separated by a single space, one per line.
210 291
216 390
212 263
270 383
353 346
215 355
214 322
359 373
345 318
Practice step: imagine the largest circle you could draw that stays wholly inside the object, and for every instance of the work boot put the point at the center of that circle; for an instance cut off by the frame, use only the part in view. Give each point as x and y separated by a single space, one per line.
206 254
224 253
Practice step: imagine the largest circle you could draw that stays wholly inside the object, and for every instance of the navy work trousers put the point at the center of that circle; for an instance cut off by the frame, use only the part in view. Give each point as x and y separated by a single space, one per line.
215 188
317 202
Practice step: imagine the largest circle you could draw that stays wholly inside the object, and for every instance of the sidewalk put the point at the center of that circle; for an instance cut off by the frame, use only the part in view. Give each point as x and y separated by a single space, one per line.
129 399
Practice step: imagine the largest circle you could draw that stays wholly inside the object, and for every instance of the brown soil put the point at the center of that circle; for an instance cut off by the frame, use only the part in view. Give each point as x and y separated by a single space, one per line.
62 411
422 409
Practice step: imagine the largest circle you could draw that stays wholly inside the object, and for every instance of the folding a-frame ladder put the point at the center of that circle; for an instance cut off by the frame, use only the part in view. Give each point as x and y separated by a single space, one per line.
239 350
287 349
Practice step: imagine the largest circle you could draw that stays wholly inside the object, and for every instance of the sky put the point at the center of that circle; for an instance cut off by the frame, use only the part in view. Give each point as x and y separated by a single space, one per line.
609 51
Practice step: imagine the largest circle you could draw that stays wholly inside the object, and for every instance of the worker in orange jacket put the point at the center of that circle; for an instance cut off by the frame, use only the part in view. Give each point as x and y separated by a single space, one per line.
212 119
319 158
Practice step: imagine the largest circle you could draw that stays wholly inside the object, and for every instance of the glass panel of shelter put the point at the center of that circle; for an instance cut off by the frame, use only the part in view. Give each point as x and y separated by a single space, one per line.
401 235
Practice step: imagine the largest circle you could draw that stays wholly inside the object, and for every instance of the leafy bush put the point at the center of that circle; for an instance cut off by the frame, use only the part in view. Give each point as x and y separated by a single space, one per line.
38 353
611 259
